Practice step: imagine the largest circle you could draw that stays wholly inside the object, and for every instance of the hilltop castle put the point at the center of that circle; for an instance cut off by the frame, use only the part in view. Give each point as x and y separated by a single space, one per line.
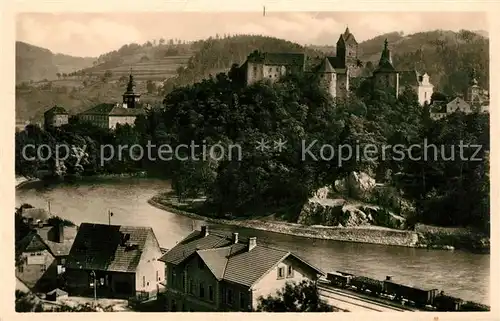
336 72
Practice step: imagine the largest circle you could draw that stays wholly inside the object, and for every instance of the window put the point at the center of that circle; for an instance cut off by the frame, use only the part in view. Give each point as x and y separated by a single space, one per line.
200 264
229 297
63 261
425 95
202 290
210 293
242 301
281 272
44 268
143 281
191 286
289 272
20 269
157 277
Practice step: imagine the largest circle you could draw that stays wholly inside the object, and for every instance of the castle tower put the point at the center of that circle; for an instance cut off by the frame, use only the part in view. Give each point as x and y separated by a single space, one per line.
347 49
385 75
328 77
130 98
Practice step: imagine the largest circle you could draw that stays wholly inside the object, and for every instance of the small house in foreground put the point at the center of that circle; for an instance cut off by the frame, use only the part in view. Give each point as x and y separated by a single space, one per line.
123 262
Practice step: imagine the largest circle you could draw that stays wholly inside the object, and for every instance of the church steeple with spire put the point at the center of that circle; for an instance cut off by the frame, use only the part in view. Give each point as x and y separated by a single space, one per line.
474 91
385 75
385 61
130 98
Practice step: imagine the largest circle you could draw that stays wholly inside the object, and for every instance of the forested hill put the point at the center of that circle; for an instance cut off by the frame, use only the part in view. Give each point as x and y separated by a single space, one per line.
36 63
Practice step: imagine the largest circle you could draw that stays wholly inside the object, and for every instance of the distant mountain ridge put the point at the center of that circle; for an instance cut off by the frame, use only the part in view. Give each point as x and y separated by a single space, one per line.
37 63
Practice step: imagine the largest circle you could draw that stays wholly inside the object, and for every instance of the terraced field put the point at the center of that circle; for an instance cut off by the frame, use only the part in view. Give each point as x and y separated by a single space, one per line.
159 69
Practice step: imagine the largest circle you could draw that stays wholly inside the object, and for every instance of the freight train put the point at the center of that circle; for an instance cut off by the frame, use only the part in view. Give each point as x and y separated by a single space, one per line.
427 299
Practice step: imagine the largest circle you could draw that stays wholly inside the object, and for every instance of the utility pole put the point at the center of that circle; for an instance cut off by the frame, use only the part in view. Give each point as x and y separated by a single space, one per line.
95 287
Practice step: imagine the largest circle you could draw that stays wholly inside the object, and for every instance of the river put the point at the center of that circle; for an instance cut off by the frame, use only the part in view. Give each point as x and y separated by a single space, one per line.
462 274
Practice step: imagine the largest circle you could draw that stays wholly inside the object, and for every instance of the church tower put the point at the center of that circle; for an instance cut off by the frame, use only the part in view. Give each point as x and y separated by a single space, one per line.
130 98
385 75
473 95
347 49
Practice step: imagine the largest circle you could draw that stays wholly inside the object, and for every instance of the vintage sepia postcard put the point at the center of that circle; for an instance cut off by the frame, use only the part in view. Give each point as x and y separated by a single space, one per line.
267 160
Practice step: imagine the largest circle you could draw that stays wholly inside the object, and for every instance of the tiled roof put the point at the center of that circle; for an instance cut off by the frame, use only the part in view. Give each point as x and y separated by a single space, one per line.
278 58
347 36
193 242
56 110
409 78
336 62
101 109
325 67
58 248
31 243
101 247
249 266
216 259
229 261
113 110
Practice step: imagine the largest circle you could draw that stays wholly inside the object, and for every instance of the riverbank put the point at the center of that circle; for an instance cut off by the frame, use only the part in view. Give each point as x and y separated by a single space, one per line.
422 237
21 181
364 234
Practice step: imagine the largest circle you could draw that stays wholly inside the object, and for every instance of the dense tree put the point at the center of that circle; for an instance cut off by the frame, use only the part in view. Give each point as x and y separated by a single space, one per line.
301 297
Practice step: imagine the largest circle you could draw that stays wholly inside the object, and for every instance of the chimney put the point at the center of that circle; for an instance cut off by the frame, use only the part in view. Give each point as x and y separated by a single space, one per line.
252 242
204 231
235 238
388 277
40 223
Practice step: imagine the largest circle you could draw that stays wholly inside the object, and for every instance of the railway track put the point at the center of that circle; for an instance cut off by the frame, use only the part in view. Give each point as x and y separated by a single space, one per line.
355 303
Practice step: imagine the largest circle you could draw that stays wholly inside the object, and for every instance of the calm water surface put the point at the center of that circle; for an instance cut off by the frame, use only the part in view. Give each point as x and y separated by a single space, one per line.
462 274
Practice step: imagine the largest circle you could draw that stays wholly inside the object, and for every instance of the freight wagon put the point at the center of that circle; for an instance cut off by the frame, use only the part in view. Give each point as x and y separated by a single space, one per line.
339 279
419 296
363 283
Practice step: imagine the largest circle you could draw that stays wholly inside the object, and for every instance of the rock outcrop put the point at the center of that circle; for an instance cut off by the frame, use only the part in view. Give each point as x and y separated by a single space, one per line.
342 213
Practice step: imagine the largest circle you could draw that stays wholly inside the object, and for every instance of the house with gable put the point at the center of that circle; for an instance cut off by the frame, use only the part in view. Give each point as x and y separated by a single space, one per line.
212 271
41 254
121 261
475 99
55 117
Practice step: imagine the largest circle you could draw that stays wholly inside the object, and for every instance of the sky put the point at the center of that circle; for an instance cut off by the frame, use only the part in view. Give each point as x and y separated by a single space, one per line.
92 34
